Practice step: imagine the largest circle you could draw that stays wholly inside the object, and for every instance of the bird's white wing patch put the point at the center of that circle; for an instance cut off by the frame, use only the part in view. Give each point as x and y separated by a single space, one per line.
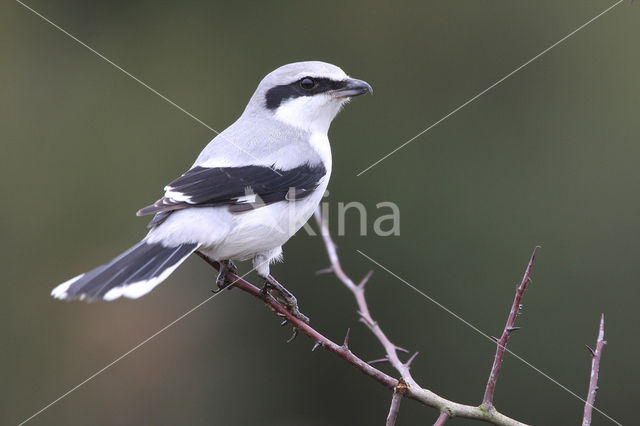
177 196
249 198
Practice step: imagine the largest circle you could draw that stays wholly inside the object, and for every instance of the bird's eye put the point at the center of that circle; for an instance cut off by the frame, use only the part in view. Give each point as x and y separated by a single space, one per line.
307 83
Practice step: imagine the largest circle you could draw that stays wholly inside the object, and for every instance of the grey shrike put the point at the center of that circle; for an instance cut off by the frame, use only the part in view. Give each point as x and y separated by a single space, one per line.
250 189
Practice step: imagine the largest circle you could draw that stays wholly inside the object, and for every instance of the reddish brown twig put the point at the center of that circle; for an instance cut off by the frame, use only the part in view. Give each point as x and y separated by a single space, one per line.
417 393
595 367
442 418
506 333
341 350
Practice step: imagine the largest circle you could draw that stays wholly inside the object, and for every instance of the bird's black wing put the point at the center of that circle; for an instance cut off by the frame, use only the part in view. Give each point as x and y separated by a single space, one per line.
242 188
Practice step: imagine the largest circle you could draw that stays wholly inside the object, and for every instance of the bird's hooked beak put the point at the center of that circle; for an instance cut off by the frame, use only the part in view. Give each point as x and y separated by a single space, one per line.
352 87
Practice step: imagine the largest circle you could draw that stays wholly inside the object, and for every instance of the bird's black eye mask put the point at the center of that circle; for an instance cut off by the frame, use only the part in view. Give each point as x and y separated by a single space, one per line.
306 86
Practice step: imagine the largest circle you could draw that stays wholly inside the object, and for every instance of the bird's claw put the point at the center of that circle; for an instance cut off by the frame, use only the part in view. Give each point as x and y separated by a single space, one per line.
231 267
294 335
296 313
222 280
284 297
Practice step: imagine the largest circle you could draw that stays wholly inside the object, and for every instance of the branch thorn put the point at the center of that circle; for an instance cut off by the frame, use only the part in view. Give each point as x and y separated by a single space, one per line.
325 271
315 346
398 348
376 361
365 280
593 353
346 339
408 363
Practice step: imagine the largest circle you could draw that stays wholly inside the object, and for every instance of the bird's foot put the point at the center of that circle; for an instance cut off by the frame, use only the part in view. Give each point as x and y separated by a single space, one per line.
222 280
284 297
232 267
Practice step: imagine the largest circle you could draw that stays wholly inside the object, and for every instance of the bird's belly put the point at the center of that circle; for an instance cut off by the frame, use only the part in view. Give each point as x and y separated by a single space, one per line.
265 228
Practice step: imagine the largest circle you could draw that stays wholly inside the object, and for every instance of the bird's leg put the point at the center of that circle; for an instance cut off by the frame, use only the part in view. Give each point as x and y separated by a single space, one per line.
232 267
221 280
284 296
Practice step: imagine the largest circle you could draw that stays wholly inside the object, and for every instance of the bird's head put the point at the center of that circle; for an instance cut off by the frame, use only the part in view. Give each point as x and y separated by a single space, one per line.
306 95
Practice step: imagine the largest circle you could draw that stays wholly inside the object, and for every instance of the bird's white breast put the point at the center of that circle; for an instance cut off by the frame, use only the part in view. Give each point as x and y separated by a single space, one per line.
320 144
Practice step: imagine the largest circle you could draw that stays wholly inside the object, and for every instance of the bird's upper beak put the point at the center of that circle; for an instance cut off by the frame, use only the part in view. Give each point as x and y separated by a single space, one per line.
352 87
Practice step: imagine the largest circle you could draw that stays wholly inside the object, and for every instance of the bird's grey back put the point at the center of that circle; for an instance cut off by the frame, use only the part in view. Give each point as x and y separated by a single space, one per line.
259 138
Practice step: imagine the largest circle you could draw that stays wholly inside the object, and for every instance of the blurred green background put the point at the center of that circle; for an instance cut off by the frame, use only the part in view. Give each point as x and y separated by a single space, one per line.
548 157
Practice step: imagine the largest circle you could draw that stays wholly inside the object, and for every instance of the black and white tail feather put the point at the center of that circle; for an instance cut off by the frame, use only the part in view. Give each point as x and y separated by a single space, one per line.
132 274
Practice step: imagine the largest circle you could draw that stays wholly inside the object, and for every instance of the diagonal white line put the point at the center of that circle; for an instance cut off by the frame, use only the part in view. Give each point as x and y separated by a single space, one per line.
145 85
518 357
136 347
489 88
142 83
115 361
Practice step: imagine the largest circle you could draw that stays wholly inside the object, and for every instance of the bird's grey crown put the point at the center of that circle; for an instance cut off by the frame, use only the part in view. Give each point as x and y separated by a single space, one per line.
294 71
291 73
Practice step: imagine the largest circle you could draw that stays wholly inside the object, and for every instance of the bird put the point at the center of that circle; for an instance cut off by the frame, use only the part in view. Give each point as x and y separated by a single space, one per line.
247 193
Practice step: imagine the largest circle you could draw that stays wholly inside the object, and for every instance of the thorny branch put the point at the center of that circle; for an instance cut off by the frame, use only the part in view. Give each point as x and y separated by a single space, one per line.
508 329
595 367
489 414
406 386
417 393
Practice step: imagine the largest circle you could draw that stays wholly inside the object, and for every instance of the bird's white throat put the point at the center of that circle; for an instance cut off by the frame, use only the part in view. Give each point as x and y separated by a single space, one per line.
312 113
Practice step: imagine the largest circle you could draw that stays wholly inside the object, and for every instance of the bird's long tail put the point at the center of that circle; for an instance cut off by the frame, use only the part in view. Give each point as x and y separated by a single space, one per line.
132 274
